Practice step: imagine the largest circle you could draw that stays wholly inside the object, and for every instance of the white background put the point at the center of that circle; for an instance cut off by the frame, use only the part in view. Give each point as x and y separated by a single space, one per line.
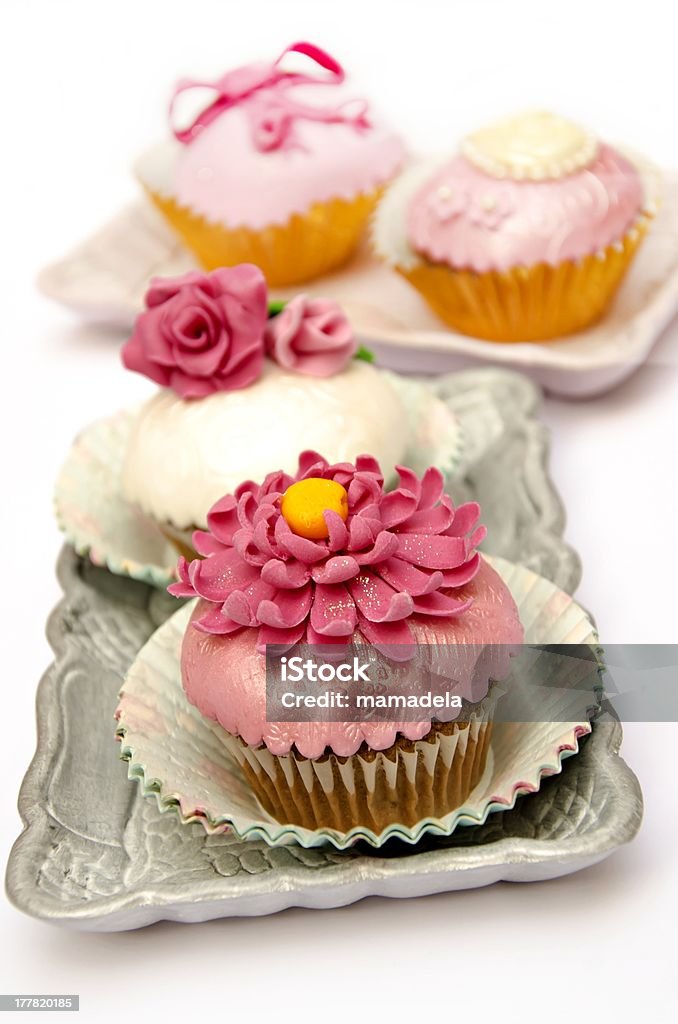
84 87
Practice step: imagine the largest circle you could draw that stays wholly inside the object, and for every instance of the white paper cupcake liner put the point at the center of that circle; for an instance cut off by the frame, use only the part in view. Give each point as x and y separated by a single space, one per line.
184 760
95 517
102 524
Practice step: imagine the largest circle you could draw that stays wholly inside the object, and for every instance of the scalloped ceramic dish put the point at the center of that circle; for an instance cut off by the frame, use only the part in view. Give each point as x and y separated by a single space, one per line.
179 757
105 277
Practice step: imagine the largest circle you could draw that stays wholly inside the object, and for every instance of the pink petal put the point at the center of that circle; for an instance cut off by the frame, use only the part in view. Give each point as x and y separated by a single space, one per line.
333 612
262 539
181 590
432 487
134 358
409 481
284 638
364 488
336 570
214 578
432 552
360 533
429 520
462 574
465 517
385 545
338 533
184 587
368 464
246 508
222 518
286 575
246 546
441 604
242 605
247 487
396 507
187 386
299 547
206 543
214 621
392 639
162 288
322 640
378 602
477 537
153 339
287 608
403 576
311 464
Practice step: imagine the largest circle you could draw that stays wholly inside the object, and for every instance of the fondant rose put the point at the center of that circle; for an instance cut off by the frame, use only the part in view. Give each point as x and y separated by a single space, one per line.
332 554
311 336
200 332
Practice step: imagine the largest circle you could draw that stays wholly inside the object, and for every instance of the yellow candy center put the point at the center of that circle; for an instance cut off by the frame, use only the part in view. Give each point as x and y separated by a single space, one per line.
303 505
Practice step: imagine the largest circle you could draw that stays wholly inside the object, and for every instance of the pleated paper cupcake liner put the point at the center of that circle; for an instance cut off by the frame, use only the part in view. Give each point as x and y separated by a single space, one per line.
103 525
308 245
532 303
411 782
189 765
95 516
536 303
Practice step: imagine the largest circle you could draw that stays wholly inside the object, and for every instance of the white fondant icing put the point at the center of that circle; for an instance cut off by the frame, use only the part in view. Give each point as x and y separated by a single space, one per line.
185 455
533 146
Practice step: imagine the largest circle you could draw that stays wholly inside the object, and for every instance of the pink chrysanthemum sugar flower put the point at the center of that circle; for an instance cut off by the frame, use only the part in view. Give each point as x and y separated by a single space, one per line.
317 556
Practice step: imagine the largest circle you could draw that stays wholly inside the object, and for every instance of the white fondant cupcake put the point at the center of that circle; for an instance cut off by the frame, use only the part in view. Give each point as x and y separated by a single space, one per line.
245 386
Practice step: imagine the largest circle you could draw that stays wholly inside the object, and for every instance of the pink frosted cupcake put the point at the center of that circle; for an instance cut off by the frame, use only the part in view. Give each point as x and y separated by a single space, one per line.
524 235
282 168
327 557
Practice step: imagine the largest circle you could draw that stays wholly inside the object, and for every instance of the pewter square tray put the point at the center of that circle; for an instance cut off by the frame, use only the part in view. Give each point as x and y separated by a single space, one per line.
95 854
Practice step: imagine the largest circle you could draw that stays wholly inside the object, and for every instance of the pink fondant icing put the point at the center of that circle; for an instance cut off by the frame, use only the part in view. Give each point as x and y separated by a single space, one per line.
311 336
397 556
272 145
469 220
225 676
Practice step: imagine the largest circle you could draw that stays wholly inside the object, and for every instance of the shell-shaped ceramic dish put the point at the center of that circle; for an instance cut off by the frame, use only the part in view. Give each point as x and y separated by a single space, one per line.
105 278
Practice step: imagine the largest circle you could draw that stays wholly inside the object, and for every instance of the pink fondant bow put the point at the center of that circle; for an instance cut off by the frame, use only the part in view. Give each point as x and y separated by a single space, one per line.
272 112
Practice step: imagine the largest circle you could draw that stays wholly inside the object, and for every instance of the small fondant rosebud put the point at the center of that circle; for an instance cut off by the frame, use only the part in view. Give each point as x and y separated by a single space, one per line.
202 333
311 336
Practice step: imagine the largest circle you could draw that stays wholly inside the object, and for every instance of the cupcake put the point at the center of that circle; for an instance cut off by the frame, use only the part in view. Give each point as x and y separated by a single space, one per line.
243 386
281 169
524 235
327 558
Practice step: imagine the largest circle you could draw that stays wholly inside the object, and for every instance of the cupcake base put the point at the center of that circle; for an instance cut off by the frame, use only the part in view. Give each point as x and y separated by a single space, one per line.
536 303
406 783
308 245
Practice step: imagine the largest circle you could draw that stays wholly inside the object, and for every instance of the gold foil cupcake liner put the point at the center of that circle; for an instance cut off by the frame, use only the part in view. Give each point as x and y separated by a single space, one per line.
306 246
536 303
